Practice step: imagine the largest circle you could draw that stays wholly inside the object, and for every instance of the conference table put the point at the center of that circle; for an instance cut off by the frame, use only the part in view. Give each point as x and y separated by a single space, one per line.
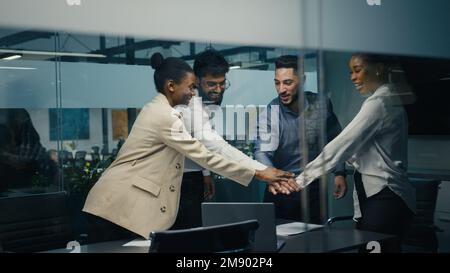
329 240
323 240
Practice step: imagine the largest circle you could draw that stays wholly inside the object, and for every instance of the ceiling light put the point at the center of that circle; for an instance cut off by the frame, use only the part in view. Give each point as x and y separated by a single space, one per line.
235 65
445 78
52 53
9 57
16 68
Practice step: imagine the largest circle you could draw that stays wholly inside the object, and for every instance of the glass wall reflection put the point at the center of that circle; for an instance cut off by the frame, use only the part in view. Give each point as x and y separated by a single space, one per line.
69 100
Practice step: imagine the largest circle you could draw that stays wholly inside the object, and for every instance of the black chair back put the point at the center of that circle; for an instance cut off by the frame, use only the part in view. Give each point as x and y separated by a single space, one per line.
80 155
34 223
227 238
422 232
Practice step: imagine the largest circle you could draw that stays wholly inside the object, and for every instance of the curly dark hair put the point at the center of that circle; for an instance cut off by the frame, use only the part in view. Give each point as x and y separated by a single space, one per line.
210 62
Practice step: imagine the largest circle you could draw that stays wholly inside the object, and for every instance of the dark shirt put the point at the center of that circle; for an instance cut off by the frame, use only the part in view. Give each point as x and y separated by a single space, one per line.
21 153
279 145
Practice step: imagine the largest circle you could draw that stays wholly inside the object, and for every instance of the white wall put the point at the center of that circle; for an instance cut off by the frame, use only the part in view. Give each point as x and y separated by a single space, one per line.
231 21
111 86
414 27
40 119
90 85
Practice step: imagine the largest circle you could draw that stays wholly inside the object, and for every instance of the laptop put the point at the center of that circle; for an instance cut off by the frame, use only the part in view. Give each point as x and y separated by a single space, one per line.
216 213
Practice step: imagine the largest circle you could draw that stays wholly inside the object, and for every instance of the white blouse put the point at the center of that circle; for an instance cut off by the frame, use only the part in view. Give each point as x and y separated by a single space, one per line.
375 142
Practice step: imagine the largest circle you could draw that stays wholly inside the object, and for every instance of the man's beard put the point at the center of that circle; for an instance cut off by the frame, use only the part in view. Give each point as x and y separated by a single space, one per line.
294 99
208 100
186 98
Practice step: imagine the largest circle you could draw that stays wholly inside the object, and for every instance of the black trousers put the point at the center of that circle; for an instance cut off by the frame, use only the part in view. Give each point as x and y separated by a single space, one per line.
191 198
101 230
384 212
290 207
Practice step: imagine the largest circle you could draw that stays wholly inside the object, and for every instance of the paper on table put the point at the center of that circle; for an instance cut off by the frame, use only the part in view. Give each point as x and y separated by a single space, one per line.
139 242
295 228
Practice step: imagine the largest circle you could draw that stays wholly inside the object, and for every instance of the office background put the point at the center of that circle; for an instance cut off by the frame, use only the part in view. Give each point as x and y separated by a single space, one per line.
72 56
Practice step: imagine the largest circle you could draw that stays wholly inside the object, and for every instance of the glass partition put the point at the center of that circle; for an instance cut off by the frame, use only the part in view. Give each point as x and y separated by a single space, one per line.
29 90
69 100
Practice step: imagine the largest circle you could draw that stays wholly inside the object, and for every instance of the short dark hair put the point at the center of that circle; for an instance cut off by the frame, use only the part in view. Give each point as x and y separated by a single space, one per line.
210 62
168 69
287 61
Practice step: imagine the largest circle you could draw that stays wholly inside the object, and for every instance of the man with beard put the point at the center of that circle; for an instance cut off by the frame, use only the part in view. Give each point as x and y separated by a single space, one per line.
210 68
278 143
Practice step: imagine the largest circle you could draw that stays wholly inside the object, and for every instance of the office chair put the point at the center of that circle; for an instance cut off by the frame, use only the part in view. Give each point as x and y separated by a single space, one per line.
334 219
227 238
421 235
95 157
80 155
34 223
66 156
95 149
80 160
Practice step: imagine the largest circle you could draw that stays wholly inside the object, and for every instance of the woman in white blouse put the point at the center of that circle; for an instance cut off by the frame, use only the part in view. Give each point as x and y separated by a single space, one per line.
375 143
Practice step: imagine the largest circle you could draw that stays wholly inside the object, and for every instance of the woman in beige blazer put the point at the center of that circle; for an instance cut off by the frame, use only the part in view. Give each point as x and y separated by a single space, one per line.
140 191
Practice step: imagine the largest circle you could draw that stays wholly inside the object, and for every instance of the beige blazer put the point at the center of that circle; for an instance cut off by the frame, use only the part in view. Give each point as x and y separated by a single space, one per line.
140 191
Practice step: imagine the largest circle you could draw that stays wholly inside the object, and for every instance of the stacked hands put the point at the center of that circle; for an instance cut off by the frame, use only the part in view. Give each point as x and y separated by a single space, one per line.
285 182
278 181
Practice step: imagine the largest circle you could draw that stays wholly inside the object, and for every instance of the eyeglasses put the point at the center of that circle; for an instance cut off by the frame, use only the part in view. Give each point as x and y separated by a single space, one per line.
213 85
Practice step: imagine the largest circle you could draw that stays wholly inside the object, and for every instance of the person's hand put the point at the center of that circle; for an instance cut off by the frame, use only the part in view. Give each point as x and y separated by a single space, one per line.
340 187
278 180
210 188
270 175
271 188
301 180
282 187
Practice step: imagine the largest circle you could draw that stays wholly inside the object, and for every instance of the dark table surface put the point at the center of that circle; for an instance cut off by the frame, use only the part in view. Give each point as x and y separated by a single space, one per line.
321 240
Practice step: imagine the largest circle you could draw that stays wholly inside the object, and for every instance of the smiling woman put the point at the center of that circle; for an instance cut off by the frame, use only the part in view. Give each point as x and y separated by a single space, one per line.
173 78
368 72
375 143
